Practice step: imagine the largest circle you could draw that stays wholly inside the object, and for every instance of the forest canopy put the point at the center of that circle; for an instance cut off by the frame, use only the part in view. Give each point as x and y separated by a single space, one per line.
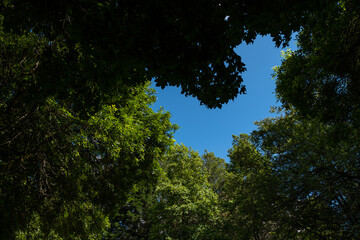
84 156
91 48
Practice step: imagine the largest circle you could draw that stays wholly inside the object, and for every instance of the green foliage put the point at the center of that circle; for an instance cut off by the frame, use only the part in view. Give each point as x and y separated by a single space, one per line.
182 205
63 174
186 203
315 146
93 48
321 78
133 219
317 175
293 178
249 193
81 151
63 170
216 171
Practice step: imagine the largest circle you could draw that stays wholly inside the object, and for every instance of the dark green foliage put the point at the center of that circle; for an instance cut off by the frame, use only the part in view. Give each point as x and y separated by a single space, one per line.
133 220
216 171
95 47
321 79
59 172
315 146
293 179
317 175
181 205
65 168
250 193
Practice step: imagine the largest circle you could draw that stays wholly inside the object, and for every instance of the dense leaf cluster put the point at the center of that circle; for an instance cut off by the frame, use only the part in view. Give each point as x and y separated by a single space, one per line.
321 78
94 47
62 170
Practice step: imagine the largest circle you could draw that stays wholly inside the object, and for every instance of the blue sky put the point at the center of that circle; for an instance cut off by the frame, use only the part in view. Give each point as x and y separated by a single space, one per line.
212 129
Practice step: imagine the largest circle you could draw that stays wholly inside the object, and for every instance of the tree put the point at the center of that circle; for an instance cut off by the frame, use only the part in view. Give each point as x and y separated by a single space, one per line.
133 220
92 48
321 79
293 178
315 145
181 205
186 204
248 204
216 171
63 170
316 176
68 174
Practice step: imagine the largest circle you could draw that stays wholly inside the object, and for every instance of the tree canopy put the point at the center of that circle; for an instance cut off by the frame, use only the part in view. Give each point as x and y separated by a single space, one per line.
69 174
92 48
321 78
181 205
84 156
